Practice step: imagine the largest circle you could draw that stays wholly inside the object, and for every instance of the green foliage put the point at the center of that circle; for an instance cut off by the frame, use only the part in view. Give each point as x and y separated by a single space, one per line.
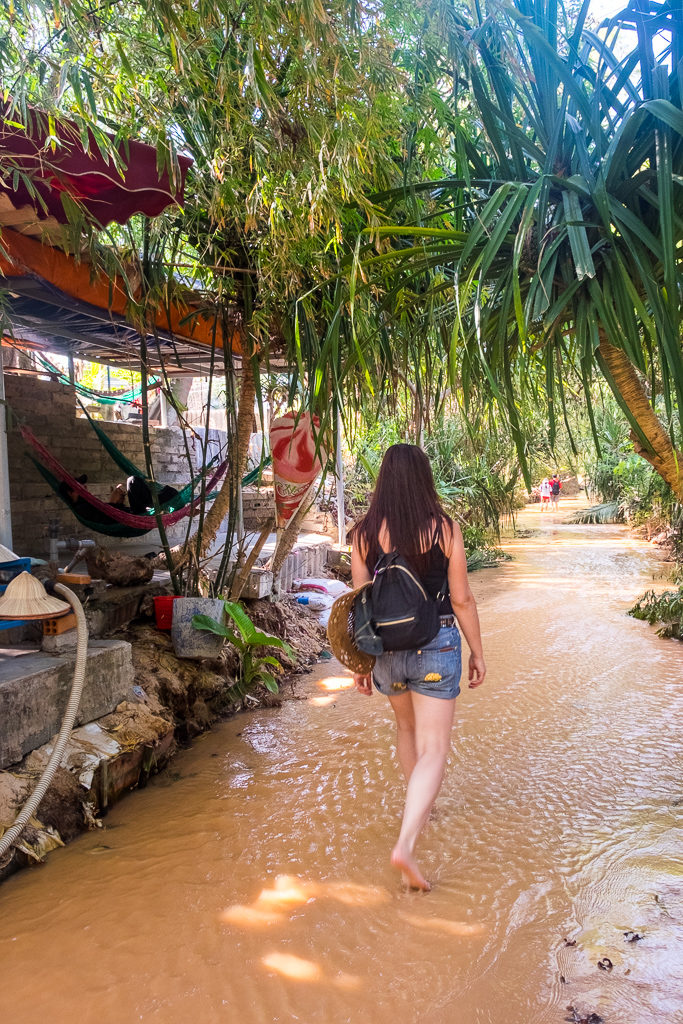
101 378
628 481
555 227
666 608
629 489
486 558
366 455
475 477
436 211
290 112
249 642
294 112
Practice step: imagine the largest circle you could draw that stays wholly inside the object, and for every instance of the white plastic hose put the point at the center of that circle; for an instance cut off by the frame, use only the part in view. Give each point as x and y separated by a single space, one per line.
31 805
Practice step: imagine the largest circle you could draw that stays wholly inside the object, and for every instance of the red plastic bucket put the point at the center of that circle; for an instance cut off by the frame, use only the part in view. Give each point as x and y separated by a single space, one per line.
163 610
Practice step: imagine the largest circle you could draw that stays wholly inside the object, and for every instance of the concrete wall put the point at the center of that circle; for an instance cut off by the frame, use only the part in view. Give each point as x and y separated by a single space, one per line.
49 409
258 505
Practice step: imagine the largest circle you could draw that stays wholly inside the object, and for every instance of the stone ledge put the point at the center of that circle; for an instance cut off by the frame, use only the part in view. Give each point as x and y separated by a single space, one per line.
110 608
34 690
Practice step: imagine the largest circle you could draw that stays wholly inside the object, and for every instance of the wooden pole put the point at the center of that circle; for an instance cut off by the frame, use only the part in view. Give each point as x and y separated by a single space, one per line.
5 511
341 514
163 409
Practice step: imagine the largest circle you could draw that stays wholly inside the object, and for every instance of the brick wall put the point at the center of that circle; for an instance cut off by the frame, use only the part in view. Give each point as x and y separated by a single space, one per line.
49 409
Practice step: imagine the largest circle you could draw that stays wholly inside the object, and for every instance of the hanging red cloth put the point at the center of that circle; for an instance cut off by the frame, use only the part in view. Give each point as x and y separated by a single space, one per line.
92 181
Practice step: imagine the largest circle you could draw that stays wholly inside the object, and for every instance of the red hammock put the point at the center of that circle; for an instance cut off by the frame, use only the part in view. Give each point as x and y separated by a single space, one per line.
119 515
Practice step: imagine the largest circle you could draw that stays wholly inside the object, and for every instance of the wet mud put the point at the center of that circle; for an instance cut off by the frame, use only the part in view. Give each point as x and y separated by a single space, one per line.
252 884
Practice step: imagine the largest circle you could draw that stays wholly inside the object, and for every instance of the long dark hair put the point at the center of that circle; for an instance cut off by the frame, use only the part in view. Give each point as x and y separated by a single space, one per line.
404 499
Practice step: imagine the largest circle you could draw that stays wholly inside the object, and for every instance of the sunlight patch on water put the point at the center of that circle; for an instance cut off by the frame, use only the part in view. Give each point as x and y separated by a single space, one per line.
297 968
460 929
289 892
294 967
322 701
335 683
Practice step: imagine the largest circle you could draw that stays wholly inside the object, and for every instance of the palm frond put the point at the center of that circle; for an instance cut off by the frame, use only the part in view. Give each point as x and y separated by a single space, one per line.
598 515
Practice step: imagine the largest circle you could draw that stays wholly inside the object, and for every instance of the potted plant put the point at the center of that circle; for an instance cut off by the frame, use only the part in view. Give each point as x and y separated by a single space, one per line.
253 666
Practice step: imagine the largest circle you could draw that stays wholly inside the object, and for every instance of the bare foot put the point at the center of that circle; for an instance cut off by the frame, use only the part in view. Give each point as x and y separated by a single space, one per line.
410 872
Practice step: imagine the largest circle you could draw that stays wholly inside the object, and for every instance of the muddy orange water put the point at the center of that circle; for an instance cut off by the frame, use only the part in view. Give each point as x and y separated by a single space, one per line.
251 883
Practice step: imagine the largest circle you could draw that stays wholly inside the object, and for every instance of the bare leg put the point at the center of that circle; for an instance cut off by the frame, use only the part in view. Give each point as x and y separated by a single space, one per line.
402 706
433 723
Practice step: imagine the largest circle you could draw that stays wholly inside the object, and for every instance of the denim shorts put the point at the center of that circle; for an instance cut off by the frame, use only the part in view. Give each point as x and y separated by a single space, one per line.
434 670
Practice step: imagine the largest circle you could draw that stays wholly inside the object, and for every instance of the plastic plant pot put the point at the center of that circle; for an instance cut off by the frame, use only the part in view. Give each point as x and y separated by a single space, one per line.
189 642
163 610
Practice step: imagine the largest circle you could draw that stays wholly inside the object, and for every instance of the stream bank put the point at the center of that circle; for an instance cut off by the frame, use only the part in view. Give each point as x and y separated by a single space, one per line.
170 702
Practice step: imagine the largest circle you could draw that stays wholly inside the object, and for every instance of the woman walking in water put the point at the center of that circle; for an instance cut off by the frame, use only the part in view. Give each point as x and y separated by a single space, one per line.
406 516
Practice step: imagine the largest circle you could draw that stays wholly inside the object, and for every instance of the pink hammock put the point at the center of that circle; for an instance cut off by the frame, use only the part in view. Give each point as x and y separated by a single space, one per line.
112 511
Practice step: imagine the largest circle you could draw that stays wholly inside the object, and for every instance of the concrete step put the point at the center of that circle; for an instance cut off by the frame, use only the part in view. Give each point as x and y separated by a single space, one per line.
34 690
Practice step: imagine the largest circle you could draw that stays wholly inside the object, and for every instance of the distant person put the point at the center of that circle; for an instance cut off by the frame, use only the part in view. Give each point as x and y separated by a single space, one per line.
555 488
545 494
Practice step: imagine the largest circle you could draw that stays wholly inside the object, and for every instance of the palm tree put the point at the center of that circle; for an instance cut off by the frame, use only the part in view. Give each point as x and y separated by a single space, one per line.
557 235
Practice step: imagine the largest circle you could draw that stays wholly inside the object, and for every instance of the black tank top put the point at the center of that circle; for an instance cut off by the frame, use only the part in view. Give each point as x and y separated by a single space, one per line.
434 579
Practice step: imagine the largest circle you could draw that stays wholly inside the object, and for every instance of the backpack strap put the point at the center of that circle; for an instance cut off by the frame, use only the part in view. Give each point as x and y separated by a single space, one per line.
390 556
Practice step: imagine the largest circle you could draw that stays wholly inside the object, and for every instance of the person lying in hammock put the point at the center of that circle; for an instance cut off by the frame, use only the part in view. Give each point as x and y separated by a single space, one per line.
134 496
140 496
82 507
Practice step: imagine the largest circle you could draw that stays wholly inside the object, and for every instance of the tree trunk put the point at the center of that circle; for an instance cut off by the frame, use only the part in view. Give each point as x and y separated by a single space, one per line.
662 456
238 461
243 575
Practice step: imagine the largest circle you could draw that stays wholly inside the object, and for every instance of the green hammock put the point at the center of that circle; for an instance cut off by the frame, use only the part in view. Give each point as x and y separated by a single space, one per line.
130 469
108 529
127 397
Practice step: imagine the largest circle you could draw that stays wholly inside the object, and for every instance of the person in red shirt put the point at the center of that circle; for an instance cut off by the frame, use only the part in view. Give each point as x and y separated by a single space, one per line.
555 488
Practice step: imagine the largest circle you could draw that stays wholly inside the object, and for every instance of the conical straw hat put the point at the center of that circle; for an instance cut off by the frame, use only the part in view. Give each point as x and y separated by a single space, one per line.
25 598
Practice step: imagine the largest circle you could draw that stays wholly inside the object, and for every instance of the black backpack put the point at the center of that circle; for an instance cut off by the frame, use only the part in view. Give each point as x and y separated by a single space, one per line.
395 613
555 487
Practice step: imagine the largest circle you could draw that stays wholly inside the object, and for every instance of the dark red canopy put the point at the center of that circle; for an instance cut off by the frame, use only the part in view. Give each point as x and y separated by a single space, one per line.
106 194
